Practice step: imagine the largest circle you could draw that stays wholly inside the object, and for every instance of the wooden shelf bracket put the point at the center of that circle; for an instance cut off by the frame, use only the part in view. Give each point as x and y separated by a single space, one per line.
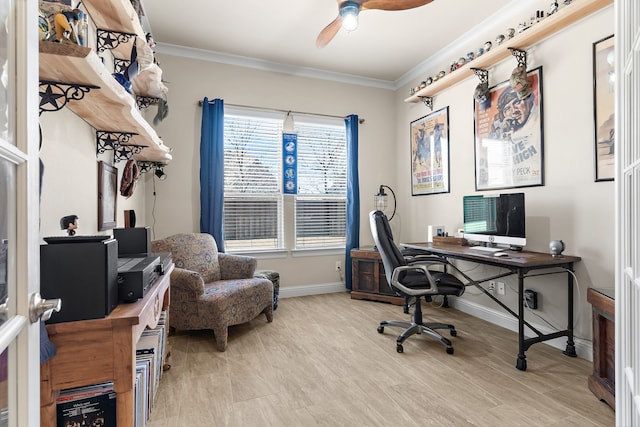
55 95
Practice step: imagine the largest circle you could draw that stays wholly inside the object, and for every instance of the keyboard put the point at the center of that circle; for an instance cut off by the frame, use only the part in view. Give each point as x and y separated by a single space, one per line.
486 249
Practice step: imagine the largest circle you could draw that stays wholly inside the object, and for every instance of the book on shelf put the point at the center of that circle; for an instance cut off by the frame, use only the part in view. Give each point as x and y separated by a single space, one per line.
93 405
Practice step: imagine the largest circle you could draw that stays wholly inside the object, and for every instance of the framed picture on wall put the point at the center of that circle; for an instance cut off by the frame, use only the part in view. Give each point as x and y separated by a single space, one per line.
603 107
107 196
508 136
430 153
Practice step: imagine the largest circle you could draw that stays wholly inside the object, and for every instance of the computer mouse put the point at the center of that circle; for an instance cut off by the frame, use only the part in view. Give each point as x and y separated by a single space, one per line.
501 254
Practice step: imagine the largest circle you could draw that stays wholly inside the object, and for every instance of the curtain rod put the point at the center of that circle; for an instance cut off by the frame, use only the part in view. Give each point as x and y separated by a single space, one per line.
278 110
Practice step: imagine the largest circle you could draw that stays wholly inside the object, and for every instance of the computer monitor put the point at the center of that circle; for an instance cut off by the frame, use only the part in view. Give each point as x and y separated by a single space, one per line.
495 219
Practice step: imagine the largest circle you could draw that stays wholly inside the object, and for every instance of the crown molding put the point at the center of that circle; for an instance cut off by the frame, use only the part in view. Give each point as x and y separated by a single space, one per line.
259 64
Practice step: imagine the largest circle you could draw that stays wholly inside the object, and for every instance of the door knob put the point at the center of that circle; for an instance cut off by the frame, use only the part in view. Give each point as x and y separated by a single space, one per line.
42 308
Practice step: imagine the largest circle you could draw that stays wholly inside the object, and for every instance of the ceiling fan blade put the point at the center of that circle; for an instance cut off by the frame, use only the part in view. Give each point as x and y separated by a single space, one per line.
393 4
328 33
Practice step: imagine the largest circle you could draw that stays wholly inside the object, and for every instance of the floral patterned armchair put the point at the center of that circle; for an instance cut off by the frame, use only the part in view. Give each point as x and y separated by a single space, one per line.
211 290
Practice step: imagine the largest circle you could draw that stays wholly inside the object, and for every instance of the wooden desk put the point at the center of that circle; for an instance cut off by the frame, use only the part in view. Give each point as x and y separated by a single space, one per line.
101 350
602 381
520 264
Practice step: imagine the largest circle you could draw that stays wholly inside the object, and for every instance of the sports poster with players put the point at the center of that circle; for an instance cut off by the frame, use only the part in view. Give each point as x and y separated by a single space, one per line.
508 136
430 153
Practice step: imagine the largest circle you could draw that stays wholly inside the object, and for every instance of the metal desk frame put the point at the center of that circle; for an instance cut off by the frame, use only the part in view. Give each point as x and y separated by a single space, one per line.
520 264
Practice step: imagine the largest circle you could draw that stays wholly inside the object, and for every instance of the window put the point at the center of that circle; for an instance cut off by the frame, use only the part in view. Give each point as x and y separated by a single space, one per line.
256 216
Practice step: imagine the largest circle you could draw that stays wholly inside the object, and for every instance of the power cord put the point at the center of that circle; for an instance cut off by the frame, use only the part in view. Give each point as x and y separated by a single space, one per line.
153 207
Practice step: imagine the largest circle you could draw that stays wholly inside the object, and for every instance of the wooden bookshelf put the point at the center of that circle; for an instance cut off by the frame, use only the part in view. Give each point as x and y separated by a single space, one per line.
101 350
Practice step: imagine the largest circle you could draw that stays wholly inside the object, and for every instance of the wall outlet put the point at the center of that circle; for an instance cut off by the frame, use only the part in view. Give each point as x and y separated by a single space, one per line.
492 286
338 265
501 288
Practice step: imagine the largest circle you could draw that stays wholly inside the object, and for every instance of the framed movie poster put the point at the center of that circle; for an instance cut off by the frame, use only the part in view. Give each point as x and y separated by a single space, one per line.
603 107
430 153
508 136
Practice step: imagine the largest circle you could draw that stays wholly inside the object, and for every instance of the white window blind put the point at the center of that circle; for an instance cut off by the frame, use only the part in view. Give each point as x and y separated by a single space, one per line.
252 183
321 203
254 215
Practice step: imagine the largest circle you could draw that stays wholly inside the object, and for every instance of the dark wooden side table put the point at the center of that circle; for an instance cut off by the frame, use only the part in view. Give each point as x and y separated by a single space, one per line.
368 279
602 381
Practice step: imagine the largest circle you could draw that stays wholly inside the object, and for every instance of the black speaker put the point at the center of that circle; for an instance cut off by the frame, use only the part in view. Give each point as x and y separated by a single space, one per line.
133 240
84 275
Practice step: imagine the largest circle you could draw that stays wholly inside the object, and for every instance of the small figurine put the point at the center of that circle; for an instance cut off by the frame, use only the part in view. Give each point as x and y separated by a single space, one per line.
69 223
441 74
470 56
553 8
499 39
487 46
510 33
461 62
480 52
429 81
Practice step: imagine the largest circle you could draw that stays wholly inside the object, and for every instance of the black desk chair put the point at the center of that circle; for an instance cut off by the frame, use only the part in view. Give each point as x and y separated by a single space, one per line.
412 279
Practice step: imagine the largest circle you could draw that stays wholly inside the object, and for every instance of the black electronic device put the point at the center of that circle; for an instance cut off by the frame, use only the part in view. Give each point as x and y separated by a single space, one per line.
495 219
83 274
133 240
136 275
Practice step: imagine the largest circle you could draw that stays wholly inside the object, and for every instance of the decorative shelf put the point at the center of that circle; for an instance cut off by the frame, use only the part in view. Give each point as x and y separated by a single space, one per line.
548 26
106 106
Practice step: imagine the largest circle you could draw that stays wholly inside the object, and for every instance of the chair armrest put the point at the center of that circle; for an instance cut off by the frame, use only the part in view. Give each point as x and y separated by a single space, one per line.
187 281
432 290
236 266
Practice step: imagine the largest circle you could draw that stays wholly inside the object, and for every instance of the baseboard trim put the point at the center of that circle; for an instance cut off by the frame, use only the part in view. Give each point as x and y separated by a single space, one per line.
301 291
584 348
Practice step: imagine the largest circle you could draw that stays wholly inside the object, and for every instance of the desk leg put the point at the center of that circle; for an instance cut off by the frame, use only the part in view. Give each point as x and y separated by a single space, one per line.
521 363
570 350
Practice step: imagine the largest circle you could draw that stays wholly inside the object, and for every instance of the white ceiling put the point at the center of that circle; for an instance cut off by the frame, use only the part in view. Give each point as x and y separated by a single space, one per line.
385 46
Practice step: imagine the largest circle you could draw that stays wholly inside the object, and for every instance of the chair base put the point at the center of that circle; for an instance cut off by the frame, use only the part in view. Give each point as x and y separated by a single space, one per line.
412 328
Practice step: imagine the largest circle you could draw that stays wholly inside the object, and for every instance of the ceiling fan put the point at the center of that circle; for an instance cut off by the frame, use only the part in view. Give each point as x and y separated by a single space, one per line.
348 15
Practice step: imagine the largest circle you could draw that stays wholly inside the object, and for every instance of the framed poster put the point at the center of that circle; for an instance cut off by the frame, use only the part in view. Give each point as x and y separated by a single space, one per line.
603 107
508 137
107 196
430 153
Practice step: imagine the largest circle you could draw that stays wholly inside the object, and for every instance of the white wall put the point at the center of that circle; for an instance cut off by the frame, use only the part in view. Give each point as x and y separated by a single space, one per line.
70 180
570 206
177 206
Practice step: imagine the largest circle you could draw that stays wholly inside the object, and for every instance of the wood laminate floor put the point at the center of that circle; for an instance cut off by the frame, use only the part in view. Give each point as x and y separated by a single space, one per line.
322 363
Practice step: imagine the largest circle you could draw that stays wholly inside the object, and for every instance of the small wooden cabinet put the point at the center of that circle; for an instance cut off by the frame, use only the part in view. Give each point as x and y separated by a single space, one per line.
368 279
602 381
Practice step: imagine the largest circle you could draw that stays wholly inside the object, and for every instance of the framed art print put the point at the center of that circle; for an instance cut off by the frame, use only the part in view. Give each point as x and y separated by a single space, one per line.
603 107
508 137
430 153
107 196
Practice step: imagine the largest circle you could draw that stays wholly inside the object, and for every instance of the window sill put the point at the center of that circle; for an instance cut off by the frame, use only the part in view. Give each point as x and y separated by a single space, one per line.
282 253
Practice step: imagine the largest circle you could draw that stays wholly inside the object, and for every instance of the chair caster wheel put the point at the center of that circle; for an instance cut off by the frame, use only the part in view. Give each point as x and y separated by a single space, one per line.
453 333
380 329
399 348
449 350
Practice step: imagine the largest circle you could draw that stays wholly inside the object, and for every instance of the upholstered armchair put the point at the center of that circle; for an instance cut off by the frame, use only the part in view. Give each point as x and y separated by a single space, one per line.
211 290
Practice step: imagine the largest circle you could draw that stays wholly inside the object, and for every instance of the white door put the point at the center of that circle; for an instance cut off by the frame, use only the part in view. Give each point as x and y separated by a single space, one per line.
627 183
19 212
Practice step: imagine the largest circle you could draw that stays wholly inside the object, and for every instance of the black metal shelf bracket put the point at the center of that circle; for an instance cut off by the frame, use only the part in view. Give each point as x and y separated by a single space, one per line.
118 142
146 101
55 95
520 55
428 101
120 65
111 39
145 167
481 74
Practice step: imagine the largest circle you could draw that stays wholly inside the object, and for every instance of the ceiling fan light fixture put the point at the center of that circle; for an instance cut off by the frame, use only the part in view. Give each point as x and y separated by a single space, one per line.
349 11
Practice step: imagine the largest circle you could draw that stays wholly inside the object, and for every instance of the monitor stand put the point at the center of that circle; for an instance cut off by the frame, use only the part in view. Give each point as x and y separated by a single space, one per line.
515 248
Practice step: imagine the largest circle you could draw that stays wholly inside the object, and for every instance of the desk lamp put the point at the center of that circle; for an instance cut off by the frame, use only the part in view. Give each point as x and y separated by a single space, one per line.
380 200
